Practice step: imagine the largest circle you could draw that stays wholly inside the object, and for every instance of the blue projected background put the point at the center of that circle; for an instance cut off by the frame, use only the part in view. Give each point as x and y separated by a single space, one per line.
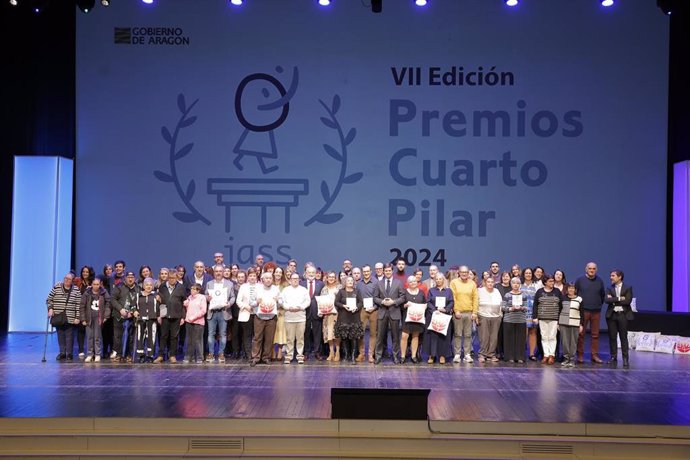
460 133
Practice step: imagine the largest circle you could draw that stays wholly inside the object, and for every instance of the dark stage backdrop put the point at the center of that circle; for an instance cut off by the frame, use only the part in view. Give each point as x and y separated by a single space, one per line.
461 133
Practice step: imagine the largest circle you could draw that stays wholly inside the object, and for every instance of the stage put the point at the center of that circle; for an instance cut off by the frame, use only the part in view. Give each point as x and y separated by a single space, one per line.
654 390
504 410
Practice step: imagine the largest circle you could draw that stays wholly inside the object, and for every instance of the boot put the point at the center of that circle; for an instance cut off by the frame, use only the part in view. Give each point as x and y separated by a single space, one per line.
345 348
353 345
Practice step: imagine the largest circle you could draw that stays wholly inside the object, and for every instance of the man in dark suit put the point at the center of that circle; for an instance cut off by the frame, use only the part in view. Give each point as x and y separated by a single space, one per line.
389 295
172 295
313 337
618 313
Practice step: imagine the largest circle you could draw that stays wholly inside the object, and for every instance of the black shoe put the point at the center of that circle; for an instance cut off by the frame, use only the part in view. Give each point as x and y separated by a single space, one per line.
69 358
613 360
397 361
626 363
252 363
415 360
377 361
60 357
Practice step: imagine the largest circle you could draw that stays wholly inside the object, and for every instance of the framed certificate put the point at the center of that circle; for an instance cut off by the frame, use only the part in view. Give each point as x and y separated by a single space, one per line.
243 316
440 302
219 297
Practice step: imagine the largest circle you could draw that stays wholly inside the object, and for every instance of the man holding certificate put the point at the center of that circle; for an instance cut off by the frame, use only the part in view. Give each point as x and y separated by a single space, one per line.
388 297
265 320
220 296
369 315
295 301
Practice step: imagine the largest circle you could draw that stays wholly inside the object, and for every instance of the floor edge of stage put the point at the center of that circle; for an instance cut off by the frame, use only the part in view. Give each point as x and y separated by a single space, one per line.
284 438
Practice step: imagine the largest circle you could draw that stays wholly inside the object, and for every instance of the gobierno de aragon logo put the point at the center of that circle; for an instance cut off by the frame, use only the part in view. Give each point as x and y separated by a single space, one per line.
151 36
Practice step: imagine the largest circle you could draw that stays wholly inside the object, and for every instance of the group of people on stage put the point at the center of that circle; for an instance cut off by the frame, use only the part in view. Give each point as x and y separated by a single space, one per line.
273 313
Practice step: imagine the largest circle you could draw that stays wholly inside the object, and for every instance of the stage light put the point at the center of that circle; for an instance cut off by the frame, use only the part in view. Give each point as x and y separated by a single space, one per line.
511 2
236 2
324 2
376 6
37 6
105 2
420 2
148 2
666 6
13 2
607 2
86 5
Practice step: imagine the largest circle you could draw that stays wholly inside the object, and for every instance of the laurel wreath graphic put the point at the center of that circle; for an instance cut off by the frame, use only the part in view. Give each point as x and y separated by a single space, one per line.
192 214
340 156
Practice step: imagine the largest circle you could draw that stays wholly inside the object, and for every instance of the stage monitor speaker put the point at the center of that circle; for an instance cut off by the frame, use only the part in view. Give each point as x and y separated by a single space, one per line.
379 403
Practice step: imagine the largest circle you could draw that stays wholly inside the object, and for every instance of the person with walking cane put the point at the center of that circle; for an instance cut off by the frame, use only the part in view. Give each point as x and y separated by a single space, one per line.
63 311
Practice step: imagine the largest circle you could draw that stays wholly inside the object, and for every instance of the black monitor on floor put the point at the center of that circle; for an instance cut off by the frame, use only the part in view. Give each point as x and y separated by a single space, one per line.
379 403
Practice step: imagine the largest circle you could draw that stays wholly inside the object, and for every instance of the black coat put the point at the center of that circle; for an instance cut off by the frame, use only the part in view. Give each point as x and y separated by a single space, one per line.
173 300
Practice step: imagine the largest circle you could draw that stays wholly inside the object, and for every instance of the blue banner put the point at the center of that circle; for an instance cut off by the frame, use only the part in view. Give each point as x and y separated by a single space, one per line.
457 134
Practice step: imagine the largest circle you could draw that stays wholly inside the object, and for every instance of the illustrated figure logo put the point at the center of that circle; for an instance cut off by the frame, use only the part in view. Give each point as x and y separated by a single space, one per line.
262 104
279 107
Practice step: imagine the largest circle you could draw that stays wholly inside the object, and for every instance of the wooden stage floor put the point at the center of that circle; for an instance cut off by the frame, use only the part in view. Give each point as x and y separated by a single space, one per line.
654 391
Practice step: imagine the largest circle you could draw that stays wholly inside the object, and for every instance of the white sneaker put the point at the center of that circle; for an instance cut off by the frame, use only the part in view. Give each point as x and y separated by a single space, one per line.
88 359
98 359
113 355
468 358
456 359
81 355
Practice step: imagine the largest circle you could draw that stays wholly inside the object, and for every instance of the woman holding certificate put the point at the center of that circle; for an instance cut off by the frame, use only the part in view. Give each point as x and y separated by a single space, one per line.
413 311
326 303
348 326
514 315
438 318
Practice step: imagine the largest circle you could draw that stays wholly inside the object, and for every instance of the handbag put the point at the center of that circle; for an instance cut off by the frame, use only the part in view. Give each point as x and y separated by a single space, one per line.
58 319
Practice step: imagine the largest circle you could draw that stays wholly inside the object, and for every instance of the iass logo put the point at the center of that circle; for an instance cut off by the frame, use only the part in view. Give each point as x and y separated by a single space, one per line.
170 36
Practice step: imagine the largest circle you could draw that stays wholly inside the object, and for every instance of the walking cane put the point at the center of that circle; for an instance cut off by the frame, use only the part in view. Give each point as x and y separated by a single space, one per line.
45 345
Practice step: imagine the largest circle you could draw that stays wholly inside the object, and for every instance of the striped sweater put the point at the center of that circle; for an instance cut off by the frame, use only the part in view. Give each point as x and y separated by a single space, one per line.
68 301
548 304
517 316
